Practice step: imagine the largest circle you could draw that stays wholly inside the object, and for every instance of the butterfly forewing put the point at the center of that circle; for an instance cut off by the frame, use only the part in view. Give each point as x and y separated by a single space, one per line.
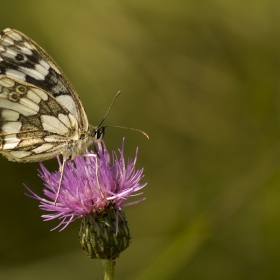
40 112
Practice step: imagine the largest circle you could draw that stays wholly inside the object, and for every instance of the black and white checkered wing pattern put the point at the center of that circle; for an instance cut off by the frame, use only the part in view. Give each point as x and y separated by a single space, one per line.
40 112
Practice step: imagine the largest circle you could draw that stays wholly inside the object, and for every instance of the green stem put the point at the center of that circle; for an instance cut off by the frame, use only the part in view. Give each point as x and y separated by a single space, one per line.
109 268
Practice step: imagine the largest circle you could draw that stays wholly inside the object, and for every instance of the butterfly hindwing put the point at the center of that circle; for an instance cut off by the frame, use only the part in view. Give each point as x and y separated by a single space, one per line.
32 124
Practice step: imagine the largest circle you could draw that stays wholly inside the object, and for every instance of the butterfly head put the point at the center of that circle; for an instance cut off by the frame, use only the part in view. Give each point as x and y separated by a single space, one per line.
99 133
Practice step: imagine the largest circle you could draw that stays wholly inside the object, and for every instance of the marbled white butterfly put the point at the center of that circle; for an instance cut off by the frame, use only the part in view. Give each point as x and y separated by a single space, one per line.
41 114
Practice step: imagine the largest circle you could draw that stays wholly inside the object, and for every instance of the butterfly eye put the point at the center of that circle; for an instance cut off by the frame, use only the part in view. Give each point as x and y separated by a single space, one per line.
99 133
21 89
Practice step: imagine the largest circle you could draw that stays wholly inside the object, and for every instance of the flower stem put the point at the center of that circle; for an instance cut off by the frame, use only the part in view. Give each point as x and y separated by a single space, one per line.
109 268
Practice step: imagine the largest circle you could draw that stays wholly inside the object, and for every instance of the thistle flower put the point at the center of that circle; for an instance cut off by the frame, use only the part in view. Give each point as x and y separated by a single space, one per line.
94 189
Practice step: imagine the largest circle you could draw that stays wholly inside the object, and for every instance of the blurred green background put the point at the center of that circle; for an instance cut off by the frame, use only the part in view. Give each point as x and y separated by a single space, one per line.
202 79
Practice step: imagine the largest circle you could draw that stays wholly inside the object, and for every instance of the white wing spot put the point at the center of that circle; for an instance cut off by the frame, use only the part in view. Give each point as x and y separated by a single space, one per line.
33 96
65 120
11 127
4 93
7 41
41 93
13 35
20 154
73 121
29 104
10 115
32 73
42 148
26 50
26 111
42 70
11 141
6 30
44 64
27 45
5 82
54 125
17 74
9 53
68 102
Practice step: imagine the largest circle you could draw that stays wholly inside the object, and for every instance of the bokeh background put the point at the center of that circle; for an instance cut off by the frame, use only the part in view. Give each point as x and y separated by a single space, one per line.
202 79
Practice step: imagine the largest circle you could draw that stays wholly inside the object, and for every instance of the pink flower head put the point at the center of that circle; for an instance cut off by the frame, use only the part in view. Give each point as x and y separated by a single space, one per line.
83 193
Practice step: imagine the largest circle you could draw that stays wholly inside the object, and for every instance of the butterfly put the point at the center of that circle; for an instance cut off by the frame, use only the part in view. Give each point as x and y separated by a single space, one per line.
41 115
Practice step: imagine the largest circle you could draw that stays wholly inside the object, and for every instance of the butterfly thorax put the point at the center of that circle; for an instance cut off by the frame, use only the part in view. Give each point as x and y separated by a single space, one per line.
76 147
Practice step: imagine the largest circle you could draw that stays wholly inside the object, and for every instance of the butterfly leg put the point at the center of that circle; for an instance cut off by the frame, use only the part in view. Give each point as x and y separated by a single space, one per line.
60 179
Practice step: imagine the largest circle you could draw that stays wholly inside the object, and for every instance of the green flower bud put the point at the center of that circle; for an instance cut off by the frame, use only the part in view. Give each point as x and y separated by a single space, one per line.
105 235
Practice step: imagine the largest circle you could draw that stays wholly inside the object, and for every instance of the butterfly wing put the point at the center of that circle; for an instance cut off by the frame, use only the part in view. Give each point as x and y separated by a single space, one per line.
40 111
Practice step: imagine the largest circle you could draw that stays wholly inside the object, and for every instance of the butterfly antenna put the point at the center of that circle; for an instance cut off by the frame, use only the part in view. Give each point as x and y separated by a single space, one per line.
130 128
117 126
112 103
